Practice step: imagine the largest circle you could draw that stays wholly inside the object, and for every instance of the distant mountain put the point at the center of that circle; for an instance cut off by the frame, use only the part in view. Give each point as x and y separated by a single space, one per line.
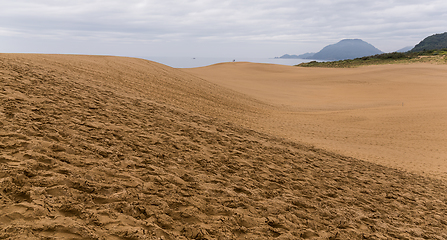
433 42
306 55
346 49
287 56
405 49
302 56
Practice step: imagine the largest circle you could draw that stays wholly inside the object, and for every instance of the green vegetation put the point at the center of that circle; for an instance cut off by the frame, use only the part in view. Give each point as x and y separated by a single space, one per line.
431 56
432 49
433 42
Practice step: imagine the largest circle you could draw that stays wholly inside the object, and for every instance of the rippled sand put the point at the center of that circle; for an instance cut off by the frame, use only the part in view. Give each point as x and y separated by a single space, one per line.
393 115
99 147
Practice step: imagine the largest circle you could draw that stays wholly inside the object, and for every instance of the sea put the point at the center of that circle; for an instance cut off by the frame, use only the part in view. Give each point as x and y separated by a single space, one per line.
193 62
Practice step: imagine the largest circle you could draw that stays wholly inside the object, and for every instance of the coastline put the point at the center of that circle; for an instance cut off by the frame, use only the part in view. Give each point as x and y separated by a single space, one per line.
193 62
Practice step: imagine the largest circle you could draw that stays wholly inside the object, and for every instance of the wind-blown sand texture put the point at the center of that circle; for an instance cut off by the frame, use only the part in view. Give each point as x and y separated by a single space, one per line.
97 147
394 115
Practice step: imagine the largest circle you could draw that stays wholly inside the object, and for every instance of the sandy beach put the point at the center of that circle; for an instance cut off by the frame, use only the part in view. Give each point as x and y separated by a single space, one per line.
100 147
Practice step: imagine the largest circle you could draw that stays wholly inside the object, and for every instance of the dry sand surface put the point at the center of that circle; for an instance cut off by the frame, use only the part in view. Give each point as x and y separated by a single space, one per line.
99 147
394 115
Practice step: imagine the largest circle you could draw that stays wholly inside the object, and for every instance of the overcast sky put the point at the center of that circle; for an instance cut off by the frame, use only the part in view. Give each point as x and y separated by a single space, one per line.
213 28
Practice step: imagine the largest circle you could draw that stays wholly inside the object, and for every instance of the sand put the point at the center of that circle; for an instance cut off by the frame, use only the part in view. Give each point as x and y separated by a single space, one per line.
96 147
393 115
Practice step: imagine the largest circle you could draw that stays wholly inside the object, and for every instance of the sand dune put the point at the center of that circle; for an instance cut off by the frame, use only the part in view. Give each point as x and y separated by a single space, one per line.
99 147
394 115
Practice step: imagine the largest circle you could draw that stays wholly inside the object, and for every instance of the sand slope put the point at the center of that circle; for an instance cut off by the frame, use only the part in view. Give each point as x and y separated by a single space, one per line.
394 115
88 152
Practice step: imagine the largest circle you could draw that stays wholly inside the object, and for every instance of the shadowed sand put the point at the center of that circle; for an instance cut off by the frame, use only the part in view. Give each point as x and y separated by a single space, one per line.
95 147
394 115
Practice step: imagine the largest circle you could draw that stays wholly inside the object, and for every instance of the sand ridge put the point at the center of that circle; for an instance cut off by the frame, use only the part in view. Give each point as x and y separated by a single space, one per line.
89 152
394 115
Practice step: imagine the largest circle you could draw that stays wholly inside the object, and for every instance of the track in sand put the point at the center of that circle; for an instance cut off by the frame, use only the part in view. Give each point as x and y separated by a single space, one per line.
393 115
99 147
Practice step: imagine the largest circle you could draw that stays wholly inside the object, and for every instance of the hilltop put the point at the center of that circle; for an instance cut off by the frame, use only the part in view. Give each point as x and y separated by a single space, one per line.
346 49
98 147
432 49
433 42
301 56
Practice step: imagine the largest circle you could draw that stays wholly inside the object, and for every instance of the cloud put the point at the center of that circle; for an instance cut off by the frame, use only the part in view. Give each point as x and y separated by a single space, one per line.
269 21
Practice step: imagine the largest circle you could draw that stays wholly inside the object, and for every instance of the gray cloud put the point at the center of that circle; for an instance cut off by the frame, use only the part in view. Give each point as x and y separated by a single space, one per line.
273 25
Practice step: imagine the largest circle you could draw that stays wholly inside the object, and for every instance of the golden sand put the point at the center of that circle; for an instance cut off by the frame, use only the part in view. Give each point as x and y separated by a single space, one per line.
393 115
95 147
